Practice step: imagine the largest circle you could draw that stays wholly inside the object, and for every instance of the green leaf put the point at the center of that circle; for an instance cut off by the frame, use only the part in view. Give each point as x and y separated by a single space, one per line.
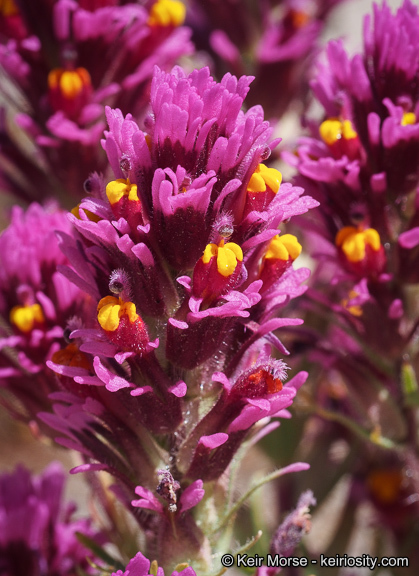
409 385
268 478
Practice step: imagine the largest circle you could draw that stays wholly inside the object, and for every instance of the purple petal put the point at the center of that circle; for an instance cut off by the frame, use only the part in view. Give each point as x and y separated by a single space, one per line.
148 500
112 381
88 468
138 566
214 440
191 496
141 390
409 239
179 389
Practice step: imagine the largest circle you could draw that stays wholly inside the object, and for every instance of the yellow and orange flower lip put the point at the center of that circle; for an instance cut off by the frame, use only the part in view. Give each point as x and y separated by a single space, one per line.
228 255
283 248
117 189
264 177
70 83
167 13
26 317
353 242
110 311
334 129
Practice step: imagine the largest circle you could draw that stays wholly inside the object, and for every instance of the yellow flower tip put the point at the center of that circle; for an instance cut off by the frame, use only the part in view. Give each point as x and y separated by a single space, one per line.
154 568
181 567
25 317
209 252
117 189
333 129
353 242
283 248
167 13
93 217
330 131
227 258
228 255
355 310
348 131
54 78
75 211
128 308
110 311
256 183
69 82
8 8
408 118
263 177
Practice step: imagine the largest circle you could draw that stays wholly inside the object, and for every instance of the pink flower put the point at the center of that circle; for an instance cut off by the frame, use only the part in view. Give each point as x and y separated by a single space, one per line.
139 566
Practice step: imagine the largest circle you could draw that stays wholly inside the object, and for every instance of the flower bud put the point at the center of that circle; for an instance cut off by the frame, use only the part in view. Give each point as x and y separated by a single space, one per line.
71 356
260 380
385 485
8 8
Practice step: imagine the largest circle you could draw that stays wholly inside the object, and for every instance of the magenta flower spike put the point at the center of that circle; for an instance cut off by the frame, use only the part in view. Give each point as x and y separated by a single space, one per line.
361 162
174 253
36 304
365 152
148 321
61 57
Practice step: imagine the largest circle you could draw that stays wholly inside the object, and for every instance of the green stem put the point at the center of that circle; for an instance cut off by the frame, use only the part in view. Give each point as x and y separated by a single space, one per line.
239 503
376 439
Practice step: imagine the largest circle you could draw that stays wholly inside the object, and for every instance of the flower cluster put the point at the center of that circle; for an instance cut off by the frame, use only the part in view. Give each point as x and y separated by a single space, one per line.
146 330
361 163
363 169
61 58
181 257
37 532
36 304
